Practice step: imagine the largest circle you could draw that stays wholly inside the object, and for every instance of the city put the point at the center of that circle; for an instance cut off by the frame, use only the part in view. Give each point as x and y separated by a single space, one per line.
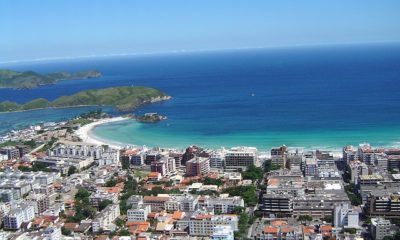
55 186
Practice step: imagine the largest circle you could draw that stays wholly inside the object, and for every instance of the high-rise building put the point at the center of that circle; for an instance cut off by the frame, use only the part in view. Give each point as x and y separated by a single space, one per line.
240 158
380 228
279 156
197 166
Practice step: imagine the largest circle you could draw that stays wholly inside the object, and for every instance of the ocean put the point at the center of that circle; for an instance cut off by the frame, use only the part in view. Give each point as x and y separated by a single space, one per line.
313 97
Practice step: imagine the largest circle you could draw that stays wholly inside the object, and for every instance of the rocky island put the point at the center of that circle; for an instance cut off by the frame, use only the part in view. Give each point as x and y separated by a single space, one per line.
30 79
122 98
150 118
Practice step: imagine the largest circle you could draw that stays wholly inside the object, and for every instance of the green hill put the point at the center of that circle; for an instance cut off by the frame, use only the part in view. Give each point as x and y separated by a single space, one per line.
30 79
122 98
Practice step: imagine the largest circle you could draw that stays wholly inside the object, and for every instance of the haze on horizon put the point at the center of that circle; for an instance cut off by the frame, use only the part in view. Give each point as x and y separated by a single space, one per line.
59 29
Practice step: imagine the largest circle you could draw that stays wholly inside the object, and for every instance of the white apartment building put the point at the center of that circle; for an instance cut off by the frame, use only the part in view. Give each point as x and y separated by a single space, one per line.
344 216
109 157
185 203
138 214
16 216
222 232
223 204
217 160
380 228
103 219
203 224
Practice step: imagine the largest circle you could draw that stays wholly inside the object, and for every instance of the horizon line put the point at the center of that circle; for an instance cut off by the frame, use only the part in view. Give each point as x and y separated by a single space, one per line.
179 51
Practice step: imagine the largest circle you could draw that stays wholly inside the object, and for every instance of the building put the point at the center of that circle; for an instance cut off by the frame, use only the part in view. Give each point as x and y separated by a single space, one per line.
132 157
139 213
106 217
157 203
387 205
203 224
78 151
134 201
344 216
151 157
197 166
239 158
217 160
279 156
16 216
11 152
96 198
109 157
349 153
380 228
222 232
40 201
277 204
164 166
310 167
186 203
222 204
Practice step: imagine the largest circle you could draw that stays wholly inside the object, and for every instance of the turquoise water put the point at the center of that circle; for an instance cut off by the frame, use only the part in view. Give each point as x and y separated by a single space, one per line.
323 97
133 132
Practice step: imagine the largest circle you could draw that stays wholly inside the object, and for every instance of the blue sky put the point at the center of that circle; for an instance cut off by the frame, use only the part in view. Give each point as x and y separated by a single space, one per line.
69 28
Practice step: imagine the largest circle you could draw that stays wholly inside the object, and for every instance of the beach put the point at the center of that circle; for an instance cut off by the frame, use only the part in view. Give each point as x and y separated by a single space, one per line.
84 132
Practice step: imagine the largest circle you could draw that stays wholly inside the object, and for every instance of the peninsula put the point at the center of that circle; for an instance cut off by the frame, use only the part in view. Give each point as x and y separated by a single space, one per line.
122 98
30 79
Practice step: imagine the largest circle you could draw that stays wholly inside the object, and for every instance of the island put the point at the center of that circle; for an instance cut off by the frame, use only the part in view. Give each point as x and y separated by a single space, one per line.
122 98
150 118
30 79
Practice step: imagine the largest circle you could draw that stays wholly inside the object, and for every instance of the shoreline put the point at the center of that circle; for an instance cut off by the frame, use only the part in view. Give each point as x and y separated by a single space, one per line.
84 132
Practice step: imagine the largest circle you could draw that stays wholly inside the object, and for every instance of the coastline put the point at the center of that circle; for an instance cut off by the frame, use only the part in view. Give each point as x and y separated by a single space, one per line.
84 132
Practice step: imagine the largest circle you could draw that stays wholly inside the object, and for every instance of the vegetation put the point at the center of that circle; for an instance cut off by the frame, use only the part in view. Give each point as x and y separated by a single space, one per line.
49 144
304 219
243 226
103 204
36 167
150 118
394 237
83 210
213 181
253 173
248 193
72 170
268 166
30 79
111 183
65 231
350 230
351 191
123 98
130 188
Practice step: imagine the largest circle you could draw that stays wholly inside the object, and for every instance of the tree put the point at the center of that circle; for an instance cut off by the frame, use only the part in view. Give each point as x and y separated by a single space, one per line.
253 173
82 195
71 170
248 193
119 222
65 231
268 166
304 218
103 204
111 183
124 232
212 181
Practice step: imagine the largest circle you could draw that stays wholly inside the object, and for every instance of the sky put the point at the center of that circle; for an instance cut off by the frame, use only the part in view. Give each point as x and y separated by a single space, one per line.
73 28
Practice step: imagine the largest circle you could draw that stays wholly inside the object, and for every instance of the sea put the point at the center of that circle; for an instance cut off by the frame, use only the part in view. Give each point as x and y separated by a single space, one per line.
321 97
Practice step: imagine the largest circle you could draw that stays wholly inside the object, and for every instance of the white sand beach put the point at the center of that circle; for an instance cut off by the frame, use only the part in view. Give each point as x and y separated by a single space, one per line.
84 132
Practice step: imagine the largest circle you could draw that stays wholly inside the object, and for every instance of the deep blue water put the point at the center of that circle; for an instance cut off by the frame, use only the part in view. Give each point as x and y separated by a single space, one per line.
342 94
